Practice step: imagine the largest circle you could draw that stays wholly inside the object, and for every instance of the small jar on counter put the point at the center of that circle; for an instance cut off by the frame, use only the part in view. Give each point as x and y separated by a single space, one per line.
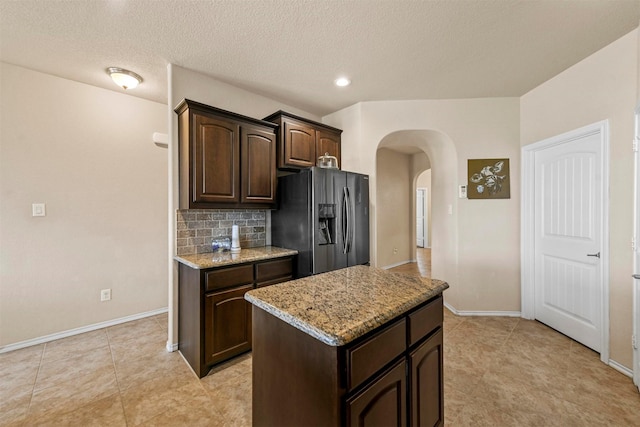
221 244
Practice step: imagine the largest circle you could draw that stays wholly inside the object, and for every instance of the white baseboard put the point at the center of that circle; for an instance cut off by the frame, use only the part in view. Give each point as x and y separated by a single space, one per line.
171 347
80 330
620 368
398 264
482 313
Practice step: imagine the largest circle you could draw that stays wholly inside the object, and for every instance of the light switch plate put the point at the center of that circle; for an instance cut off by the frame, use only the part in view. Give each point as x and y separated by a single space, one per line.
462 192
38 209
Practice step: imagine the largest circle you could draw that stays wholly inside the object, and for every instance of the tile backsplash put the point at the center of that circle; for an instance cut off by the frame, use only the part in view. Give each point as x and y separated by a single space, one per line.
196 228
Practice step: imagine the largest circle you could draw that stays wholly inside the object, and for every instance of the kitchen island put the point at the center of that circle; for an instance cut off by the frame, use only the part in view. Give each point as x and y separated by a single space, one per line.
356 346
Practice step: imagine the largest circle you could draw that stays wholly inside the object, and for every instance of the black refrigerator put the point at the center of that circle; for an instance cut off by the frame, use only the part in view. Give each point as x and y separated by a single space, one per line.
324 215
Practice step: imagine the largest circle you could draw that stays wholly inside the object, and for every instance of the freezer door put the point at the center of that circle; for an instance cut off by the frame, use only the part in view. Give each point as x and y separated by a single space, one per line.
291 224
328 199
358 188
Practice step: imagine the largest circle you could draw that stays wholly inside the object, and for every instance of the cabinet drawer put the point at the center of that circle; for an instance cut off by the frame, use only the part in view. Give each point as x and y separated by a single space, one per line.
368 357
273 281
231 276
425 320
275 269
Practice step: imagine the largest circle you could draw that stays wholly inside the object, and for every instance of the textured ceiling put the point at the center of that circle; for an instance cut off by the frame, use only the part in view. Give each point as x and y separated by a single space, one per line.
293 50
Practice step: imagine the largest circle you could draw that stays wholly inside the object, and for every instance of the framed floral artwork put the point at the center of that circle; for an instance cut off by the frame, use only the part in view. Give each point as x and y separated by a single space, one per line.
488 179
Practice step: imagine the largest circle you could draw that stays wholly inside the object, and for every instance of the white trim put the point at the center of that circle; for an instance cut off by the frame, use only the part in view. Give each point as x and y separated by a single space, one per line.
527 236
636 249
172 347
172 206
398 264
604 129
621 368
482 313
80 330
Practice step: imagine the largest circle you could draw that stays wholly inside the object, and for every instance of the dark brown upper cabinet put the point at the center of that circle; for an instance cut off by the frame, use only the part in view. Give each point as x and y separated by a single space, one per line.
258 180
302 141
226 160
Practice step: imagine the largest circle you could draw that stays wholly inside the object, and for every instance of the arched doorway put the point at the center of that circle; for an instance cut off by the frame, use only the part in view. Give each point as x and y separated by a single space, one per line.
400 158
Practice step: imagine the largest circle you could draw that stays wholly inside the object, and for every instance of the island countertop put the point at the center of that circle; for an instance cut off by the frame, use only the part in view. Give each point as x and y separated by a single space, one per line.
220 259
342 305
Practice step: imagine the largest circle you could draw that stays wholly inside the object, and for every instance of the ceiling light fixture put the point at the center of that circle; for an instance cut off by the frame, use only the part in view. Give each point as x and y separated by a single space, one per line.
342 82
124 78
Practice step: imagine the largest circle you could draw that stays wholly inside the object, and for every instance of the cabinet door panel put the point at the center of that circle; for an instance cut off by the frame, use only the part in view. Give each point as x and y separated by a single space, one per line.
328 142
227 326
216 167
383 403
299 145
427 393
258 165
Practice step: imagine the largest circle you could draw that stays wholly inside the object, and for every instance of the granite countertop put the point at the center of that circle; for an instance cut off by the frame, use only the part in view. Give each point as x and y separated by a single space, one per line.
220 259
342 305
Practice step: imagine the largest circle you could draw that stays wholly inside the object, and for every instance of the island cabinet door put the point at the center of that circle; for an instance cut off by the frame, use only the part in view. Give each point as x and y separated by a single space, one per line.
227 329
383 402
427 393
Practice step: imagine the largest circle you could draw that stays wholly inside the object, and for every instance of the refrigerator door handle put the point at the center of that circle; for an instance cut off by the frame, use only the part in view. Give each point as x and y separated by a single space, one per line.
352 218
346 221
349 221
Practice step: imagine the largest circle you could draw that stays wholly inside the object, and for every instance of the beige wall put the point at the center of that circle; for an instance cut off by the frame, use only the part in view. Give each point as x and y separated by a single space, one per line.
476 247
394 244
601 87
87 153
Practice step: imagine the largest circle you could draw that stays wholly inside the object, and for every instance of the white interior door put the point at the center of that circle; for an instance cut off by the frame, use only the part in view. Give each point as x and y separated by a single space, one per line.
636 255
568 238
420 218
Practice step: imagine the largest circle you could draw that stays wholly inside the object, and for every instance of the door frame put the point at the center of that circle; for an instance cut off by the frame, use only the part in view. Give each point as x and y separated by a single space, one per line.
424 215
636 248
527 225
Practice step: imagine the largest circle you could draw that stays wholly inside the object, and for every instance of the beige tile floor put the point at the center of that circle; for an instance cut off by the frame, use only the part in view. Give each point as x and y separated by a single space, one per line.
498 372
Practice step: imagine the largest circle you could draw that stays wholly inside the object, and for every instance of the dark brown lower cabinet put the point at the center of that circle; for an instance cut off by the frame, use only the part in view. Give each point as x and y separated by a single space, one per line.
383 403
227 318
427 388
391 376
214 319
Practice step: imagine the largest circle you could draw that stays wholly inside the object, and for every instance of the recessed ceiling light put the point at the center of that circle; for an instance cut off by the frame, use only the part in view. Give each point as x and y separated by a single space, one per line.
124 78
342 81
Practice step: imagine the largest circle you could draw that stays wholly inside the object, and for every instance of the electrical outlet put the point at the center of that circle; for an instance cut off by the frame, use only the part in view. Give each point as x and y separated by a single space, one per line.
395 251
105 295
